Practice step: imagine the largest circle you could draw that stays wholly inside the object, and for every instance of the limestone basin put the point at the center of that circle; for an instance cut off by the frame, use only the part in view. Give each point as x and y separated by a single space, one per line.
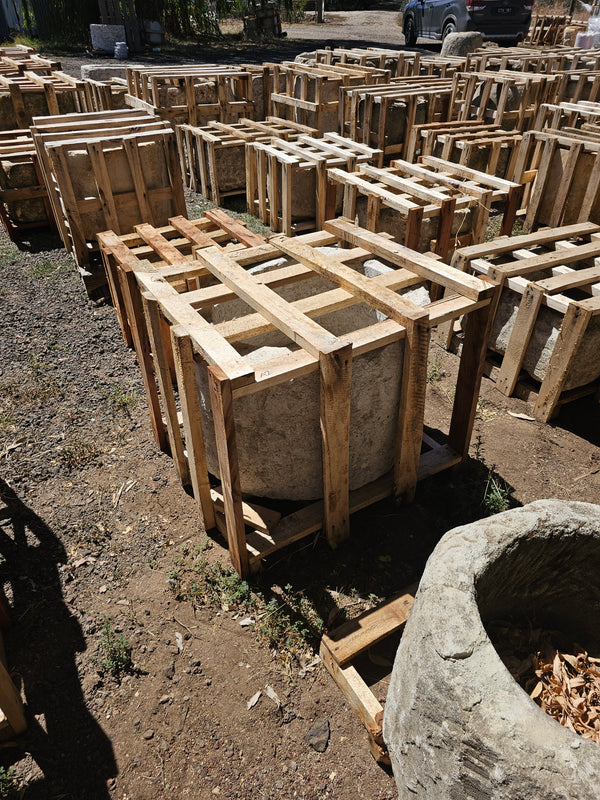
277 429
456 723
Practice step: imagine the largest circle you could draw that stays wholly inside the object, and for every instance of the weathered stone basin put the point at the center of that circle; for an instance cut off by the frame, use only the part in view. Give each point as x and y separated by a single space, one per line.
457 725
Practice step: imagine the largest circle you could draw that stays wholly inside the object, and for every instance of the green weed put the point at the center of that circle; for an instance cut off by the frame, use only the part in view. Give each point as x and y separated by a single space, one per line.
435 371
287 622
10 788
77 454
43 269
125 400
115 657
496 495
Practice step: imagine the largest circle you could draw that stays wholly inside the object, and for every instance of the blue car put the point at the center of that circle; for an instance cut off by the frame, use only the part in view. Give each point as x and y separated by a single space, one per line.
502 21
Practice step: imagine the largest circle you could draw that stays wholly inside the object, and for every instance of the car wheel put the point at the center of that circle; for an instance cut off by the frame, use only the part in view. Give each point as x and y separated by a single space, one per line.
410 32
449 27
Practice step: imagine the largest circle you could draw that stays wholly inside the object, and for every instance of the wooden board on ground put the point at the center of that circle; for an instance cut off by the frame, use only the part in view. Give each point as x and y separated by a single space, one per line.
340 651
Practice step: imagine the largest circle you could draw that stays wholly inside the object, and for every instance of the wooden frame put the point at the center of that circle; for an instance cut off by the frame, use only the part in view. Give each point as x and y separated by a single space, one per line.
282 176
193 339
165 248
342 646
205 152
312 94
233 93
16 147
369 114
431 189
575 156
76 215
565 262
54 88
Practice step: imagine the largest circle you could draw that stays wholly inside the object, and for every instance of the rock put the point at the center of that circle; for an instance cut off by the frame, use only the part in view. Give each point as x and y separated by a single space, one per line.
149 734
166 698
454 715
318 736
461 44
170 671
103 72
105 37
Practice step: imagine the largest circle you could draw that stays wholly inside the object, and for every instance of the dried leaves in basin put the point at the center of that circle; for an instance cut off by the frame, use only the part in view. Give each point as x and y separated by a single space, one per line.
562 678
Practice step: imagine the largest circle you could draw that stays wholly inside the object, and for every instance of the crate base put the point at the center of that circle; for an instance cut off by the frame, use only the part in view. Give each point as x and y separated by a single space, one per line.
267 531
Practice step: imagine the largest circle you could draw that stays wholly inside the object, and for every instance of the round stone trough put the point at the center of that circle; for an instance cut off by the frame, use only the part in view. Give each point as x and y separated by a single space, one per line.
456 723
277 429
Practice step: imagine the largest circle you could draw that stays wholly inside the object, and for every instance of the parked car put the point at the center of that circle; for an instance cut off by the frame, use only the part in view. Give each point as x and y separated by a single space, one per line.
502 21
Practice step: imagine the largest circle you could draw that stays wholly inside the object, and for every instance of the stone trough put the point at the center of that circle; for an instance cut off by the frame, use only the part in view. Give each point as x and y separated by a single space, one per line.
457 725
277 430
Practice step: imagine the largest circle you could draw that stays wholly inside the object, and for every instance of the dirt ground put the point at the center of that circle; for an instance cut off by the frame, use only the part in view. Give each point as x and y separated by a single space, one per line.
100 531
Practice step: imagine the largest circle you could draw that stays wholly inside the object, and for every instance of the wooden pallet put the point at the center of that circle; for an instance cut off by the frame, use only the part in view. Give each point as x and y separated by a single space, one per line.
567 114
312 94
341 650
434 189
287 184
105 95
213 159
177 323
169 249
383 117
24 201
565 265
108 171
192 95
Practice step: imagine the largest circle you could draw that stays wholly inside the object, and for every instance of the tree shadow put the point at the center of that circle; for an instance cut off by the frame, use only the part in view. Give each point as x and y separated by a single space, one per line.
67 743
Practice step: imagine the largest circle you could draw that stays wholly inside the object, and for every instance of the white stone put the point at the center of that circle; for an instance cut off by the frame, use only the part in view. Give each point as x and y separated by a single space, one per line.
105 37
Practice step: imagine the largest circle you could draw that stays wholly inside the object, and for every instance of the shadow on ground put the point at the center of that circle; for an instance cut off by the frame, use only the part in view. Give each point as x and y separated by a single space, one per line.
69 747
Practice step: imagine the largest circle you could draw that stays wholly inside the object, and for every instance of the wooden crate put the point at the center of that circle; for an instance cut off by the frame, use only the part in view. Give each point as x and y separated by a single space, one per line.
213 159
171 251
562 169
485 148
105 95
423 137
287 184
568 114
110 170
192 95
23 97
181 320
398 62
24 201
549 280
505 98
383 117
547 29
312 94
341 651
405 200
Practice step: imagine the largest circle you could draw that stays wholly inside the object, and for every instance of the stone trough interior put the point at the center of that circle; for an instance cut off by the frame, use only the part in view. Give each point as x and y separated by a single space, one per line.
277 429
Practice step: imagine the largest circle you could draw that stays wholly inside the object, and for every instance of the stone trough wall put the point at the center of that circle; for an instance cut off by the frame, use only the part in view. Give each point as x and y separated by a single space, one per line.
277 429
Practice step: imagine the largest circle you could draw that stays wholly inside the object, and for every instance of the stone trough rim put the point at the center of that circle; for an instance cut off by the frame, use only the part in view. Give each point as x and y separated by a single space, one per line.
443 580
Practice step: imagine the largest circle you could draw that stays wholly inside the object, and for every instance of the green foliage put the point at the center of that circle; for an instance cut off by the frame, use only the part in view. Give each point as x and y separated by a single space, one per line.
43 269
115 658
125 400
496 496
9 784
286 620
